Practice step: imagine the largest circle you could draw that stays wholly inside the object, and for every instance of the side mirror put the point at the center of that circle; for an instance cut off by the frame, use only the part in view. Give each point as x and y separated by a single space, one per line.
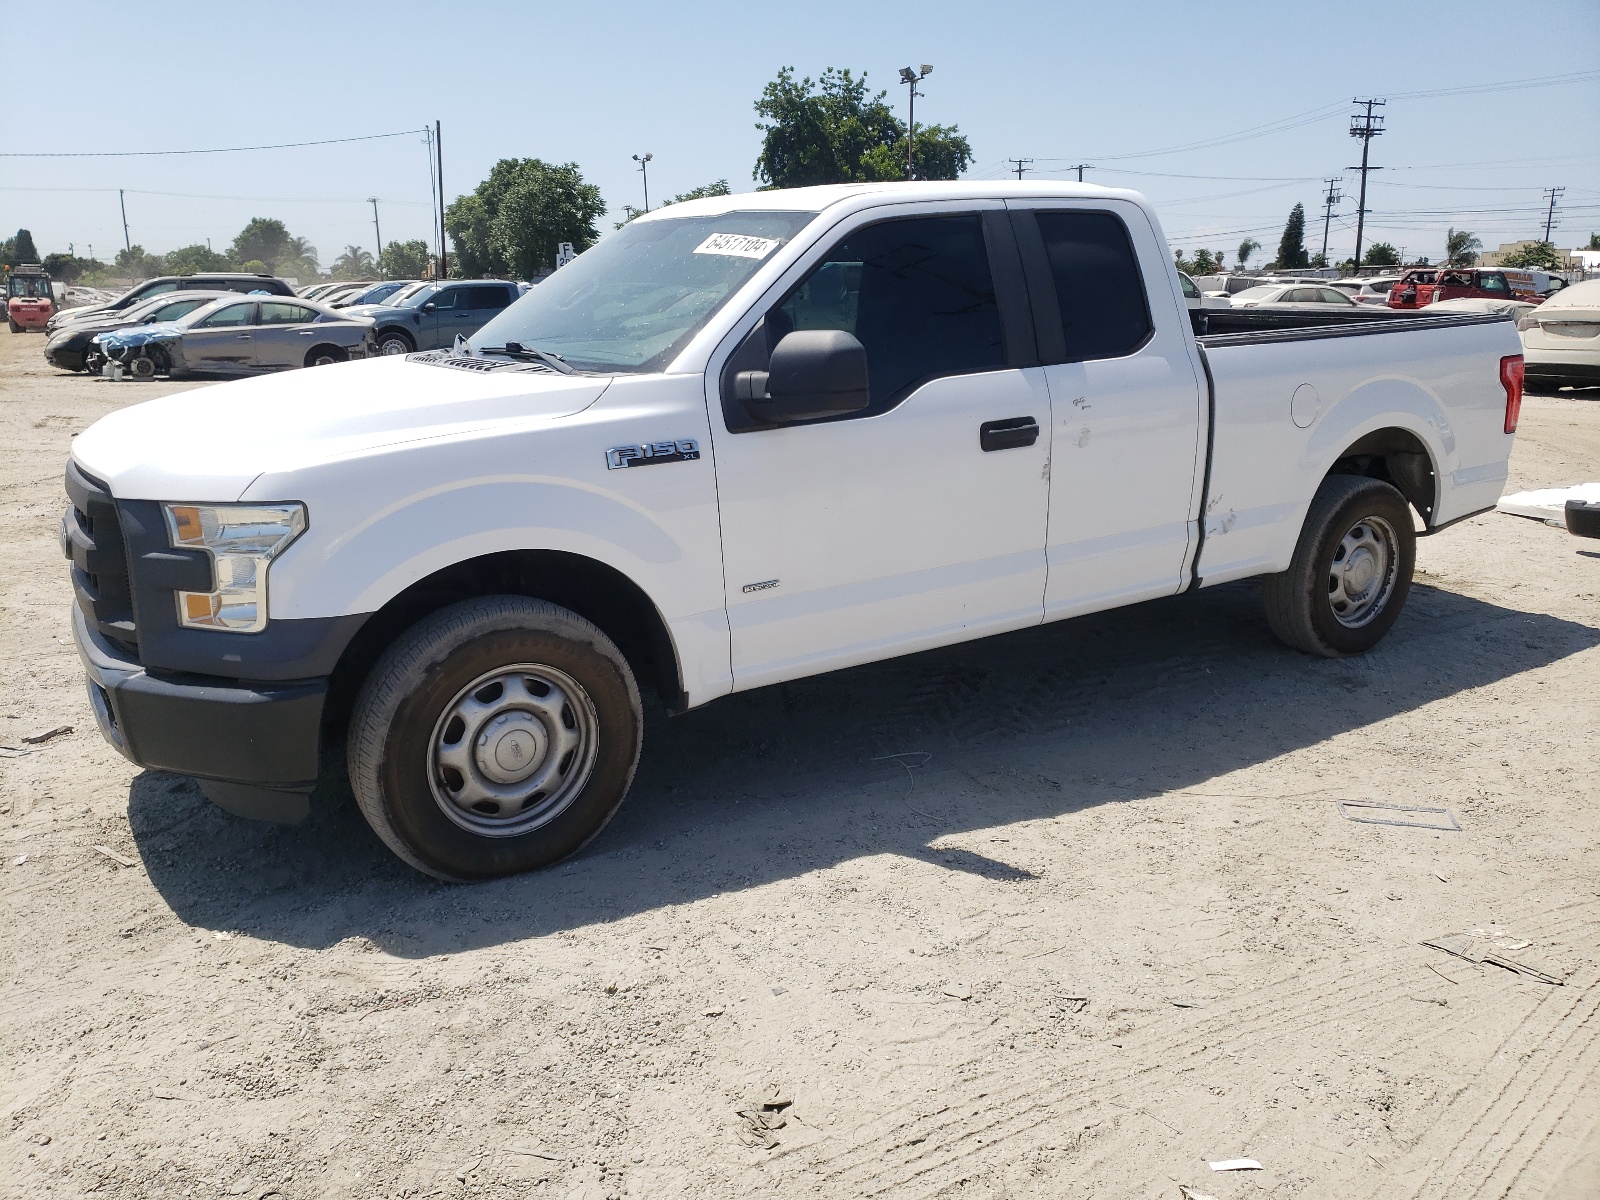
812 373
430 306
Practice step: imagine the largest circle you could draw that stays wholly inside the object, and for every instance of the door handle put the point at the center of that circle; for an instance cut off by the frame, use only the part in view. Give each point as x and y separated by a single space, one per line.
244 337
307 332
1008 434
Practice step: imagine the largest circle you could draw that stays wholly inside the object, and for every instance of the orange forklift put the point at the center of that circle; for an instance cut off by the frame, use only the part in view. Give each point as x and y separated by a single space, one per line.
30 301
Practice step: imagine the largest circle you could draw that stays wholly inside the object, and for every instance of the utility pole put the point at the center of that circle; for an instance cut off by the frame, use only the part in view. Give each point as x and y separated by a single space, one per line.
910 77
126 243
1022 164
1552 194
1365 126
1328 202
438 153
644 174
378 233
1080 168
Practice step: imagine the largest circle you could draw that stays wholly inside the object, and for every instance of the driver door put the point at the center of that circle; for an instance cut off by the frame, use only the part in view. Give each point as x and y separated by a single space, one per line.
919 520
223 342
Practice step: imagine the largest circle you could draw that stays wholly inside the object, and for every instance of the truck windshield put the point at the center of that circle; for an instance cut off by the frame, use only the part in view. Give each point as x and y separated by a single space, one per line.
417 297
632 301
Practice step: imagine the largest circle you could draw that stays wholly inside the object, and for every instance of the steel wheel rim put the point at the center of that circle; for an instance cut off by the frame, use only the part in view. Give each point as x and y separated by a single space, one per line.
392 346
1362 575
513 750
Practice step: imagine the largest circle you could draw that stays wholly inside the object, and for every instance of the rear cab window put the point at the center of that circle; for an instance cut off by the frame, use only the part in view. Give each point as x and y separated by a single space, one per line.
1098 284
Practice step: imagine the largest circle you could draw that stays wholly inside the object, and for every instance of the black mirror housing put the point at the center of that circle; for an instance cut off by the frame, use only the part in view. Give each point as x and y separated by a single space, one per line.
812 373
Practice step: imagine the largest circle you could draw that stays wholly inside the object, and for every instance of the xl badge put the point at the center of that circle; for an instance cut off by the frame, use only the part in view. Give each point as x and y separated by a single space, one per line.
682 450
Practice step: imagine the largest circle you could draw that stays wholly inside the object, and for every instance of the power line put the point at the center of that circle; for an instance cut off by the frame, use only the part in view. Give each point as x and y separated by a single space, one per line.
371 137
1365 126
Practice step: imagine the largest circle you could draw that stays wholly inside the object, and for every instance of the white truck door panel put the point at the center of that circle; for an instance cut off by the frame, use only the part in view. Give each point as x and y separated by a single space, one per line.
1127 404
891 530
854 538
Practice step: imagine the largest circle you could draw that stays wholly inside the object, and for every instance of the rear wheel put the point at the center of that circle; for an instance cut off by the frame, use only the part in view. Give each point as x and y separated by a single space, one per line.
496 736
1351 571
323 356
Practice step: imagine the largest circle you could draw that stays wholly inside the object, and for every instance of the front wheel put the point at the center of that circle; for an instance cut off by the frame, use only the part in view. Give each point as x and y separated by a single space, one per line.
395 342
1351 570
325 356
496 736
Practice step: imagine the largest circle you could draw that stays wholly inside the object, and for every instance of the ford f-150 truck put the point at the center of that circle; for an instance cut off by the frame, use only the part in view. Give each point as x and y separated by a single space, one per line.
742 440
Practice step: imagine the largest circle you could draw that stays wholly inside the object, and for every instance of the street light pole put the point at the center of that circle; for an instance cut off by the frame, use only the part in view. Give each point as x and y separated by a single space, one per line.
644 174
378 233
911 77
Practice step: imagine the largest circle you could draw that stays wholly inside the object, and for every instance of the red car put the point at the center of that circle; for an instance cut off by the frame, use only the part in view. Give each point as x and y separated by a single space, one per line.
29 299
1420 288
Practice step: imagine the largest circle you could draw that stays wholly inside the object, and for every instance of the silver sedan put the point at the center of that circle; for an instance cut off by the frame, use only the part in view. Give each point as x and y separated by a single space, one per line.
241 335
1295 297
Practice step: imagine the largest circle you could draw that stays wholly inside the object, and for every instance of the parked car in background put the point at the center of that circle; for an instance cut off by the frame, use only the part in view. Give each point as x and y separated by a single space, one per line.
1225 285
30 300
243 336
1420 288
1196 300
1561 338
211 281
68 348
315 291
1373 291
1300 296
376 293
431 316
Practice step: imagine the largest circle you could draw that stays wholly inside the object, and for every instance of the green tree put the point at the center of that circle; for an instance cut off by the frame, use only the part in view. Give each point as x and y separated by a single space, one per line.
832 130
67 268
1461 248
1204 263
405 260
1246 248
1537 255
135 263
20 249
268 241
513 222
354 263
1594 242
191 260
1292 254
1382 254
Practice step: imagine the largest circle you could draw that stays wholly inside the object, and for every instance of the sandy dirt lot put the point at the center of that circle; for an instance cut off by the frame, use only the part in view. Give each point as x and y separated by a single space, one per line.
1067 913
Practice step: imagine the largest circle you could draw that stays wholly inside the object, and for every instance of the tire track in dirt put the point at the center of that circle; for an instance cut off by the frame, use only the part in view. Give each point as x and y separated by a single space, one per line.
911 1152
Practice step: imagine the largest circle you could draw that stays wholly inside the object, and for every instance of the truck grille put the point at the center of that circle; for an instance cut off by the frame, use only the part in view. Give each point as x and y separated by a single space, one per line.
91 537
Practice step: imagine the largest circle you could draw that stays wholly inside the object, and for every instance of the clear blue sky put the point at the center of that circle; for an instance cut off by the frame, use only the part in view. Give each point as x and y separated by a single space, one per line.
596 83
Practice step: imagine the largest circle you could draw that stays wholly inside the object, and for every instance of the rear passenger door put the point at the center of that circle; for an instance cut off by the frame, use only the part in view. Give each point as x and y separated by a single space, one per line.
1127 403
284 334
484 301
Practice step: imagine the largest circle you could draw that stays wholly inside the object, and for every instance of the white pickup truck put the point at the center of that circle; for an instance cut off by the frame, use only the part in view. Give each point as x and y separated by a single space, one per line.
743 440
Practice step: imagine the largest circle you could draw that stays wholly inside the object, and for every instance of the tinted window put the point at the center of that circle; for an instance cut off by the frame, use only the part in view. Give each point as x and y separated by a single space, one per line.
1332 296
450 298
1188 285
233 314
916 293
174 309
486 296
1098 287
276 312
1493 283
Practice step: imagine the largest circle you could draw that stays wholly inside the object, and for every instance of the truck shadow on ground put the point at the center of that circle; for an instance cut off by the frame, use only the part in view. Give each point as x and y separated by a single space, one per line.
888 758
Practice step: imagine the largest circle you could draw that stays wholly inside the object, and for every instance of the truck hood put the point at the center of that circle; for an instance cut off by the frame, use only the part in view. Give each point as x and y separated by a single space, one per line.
208 444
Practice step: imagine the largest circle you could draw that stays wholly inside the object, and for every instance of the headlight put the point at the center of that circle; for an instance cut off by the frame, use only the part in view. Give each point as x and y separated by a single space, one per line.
243 539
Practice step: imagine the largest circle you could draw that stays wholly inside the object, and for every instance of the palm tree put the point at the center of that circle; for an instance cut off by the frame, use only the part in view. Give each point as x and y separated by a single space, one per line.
1246 248
355 263
1461 248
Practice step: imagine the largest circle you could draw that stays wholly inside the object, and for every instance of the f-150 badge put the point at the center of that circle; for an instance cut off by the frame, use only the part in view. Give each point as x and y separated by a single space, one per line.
681 450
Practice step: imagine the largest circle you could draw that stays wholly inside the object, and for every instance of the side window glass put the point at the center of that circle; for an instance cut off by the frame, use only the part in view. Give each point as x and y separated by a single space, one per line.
1494 283
1098 286
488 297
234 314
916 293
450 298
276 312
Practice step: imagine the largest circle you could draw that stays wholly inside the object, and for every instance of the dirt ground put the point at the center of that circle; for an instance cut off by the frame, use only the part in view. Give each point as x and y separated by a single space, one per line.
1066 913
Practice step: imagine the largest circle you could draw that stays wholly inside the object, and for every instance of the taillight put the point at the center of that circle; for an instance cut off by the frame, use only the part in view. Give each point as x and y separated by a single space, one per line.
1511 380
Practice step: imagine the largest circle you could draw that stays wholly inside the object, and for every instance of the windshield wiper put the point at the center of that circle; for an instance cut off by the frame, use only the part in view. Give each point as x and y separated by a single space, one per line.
518 350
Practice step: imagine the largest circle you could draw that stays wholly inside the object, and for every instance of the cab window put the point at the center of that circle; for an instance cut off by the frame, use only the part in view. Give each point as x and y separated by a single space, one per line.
1493 283
279 313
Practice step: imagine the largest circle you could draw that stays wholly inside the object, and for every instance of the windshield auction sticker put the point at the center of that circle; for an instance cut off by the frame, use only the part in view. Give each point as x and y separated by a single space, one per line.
739 245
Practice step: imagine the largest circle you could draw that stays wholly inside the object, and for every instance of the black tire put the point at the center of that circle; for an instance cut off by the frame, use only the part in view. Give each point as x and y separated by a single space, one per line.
1351 571
322 356
395 341
408 716
15 328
